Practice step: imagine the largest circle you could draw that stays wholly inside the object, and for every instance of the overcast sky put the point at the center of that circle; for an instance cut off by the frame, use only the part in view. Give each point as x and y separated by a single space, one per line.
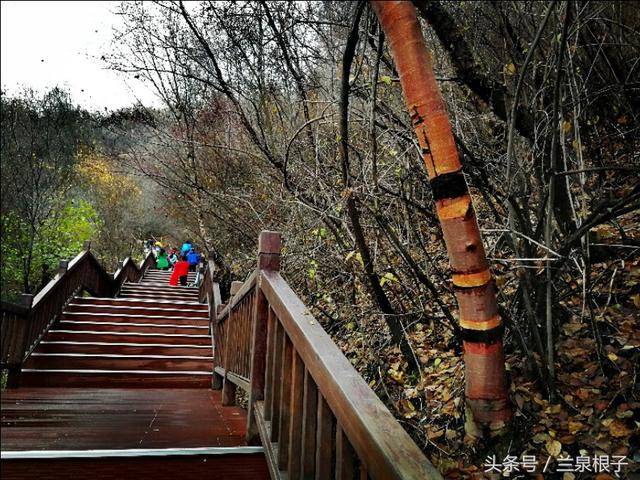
59 43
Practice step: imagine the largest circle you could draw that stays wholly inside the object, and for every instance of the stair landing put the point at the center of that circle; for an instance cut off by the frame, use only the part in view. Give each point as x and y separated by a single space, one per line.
113 418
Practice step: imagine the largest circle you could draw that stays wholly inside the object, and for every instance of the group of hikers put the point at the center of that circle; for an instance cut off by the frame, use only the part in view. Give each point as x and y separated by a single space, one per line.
181 261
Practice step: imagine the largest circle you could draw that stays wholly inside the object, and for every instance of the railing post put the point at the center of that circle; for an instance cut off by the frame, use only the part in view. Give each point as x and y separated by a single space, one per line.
14 370
235 286
62 268
269 246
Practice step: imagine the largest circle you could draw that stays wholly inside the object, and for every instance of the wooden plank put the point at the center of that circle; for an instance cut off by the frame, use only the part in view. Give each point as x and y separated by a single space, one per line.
184 467
271 341
285 400
324 440
309 427
345 467
386 450
294 456
276 380
117 418
228 387
270 449
258 358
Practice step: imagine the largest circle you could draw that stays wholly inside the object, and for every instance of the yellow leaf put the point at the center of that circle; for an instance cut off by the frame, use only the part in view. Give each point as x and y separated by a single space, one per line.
510 69
385 79
554 447
618 429
566 126
612 356
387 277
397 376
575 427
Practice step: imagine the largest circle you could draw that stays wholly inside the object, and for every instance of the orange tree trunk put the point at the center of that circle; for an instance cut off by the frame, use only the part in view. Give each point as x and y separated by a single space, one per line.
487 399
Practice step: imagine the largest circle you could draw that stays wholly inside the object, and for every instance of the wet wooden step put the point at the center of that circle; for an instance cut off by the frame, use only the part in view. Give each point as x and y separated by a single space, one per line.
152 296
108 317
146 311
160 289
160 303
71 378
141 348
118 419
130 363
138 327
98 317
89 335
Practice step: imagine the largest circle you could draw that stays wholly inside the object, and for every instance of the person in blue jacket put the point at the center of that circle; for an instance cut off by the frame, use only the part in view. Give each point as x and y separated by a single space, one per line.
193 258
186 247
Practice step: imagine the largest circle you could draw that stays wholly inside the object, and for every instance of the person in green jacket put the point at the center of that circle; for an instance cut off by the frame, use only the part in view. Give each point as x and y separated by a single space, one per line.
162 260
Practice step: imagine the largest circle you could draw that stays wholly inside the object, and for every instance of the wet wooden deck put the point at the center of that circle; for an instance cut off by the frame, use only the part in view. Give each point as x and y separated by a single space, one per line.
83 419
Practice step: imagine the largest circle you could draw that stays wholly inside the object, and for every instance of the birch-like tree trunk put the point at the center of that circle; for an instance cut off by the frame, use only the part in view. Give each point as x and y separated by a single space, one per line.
488 407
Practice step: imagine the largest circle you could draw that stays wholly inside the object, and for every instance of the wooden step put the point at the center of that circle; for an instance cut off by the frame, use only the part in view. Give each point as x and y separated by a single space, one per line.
164 278
41 361
152 296
122 348
164 285
160 285
147 311
141 302
107 317
191 276
100 317
89 335
102 326
160 289
71 378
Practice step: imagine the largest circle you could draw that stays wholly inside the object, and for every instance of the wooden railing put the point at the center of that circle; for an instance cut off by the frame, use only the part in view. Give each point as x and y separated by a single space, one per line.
23 326
210 293
315 415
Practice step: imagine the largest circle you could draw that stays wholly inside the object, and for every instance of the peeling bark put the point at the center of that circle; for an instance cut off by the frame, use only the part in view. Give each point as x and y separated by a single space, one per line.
481 325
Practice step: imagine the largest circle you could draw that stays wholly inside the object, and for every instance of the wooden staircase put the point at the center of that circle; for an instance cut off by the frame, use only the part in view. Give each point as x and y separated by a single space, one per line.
152 335
125 383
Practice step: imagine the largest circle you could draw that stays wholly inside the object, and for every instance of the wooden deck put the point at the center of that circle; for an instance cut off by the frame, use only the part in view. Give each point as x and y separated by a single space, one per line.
125 433
81 419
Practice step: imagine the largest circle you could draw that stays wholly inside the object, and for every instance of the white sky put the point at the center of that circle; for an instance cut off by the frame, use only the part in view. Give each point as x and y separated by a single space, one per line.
48 43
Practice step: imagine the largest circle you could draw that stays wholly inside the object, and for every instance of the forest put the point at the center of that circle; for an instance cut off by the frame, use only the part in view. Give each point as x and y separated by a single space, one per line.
291 117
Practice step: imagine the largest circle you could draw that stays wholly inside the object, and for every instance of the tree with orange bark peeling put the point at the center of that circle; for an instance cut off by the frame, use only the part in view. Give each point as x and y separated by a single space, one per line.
488 407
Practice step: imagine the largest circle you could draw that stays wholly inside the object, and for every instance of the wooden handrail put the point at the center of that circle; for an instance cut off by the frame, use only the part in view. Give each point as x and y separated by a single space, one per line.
23 326
302 389
209 292
246 288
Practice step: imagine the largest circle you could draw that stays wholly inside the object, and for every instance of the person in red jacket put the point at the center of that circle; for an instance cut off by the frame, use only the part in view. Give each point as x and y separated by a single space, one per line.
180 272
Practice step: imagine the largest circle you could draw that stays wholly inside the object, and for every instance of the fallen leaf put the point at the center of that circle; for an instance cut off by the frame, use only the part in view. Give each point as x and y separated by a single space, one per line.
554 447
618 429
575 427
